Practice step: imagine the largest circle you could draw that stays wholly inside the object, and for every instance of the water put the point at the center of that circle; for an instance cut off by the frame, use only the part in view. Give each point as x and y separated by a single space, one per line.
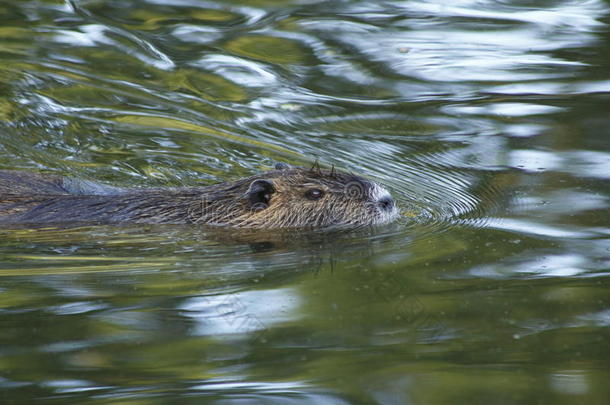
488 120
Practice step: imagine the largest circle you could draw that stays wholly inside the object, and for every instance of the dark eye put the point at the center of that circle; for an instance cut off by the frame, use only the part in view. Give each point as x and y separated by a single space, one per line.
314 194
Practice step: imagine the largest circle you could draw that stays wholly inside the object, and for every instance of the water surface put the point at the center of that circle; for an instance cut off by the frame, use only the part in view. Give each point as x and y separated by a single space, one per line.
488 120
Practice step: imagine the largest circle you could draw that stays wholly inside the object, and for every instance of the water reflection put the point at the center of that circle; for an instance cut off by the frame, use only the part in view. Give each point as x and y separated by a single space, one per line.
486 119
244 314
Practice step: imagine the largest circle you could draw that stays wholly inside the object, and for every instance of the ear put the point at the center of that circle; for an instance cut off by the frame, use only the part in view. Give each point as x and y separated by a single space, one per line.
259 194
282 166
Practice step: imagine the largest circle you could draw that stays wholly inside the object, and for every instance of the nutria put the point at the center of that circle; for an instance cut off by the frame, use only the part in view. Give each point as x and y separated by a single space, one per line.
282 198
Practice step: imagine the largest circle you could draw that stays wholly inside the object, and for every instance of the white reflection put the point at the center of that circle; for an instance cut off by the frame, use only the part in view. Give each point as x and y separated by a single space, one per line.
552 88
219 385
562 202
248 312
529 227
534 160
579 163
71 385
566 265
245 391
89 35
578 15
573 382
453 55
587 163
95 34
529 88
601 319
237 70
432 44
523 130
504 109
197 34
76 308
601 86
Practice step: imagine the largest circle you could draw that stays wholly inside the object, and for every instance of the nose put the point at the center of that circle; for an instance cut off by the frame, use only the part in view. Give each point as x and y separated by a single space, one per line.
386 203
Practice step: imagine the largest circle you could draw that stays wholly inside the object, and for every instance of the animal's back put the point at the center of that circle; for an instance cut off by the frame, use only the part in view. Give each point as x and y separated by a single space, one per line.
23 192
17 183
20 183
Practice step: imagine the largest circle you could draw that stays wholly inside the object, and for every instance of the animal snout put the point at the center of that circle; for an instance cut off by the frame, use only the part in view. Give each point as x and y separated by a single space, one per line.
386 203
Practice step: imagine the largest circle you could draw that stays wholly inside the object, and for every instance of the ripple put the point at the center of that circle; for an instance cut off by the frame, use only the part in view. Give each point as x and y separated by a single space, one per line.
244 72
577 15
485 118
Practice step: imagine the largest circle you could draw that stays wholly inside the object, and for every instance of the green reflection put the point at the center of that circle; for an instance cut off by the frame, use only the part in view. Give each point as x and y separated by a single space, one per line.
270 49
148 19
206 85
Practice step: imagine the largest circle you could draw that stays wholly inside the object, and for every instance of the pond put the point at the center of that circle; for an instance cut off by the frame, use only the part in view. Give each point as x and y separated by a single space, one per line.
488 121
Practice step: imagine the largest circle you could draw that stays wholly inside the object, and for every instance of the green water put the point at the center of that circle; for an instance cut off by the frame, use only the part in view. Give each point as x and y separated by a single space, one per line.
487 119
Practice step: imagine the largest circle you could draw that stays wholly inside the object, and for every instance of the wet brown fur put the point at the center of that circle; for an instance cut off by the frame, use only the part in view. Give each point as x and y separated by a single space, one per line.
275 199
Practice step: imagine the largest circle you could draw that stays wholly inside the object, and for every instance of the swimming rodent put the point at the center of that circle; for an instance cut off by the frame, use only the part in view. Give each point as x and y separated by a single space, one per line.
287 197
